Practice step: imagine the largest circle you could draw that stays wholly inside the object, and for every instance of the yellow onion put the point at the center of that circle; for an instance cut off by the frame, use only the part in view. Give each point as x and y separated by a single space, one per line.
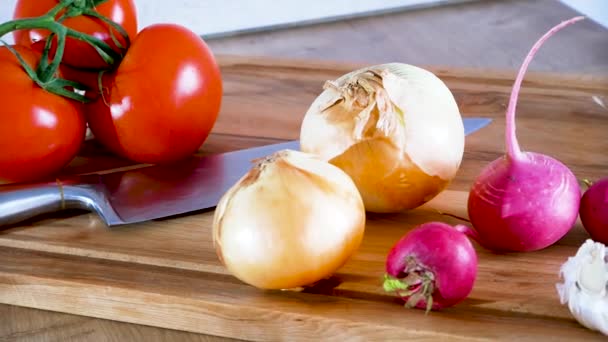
394 128
291 221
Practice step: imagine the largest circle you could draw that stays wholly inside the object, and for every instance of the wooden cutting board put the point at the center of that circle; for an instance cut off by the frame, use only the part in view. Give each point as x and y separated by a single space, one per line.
165 273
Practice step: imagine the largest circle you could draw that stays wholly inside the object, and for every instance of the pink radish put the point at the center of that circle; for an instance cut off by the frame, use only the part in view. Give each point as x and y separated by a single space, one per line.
433 266
594 211
524 201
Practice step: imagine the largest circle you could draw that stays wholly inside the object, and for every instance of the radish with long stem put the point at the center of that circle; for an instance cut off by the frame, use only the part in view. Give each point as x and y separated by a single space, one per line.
524 201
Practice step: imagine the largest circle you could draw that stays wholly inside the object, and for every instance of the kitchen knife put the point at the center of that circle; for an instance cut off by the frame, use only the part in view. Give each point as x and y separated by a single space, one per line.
145 193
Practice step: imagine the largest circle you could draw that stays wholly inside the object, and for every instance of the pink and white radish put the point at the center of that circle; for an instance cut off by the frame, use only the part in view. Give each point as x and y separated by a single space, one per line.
433 266
524 201
594 211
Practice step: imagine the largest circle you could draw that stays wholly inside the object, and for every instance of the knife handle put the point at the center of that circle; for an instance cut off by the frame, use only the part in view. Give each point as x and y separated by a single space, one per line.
21 202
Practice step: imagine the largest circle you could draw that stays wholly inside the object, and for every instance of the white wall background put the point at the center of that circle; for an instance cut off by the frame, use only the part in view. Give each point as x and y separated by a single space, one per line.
221 17
596 10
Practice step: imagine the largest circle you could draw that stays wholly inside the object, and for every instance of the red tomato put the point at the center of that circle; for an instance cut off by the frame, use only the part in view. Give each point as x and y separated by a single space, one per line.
77 53
40 132
87 78
162 101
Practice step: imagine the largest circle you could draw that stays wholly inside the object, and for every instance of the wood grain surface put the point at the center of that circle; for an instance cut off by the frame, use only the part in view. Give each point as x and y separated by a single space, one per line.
165 273
480 34
462 36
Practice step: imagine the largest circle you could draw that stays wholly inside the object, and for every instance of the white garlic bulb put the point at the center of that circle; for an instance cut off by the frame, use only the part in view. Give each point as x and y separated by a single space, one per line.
584 288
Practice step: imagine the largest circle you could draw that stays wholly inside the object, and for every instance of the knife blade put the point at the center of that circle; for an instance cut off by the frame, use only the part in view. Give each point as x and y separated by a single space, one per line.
146 193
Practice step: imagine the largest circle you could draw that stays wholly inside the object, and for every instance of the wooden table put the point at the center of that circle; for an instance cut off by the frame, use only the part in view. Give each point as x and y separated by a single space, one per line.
580 50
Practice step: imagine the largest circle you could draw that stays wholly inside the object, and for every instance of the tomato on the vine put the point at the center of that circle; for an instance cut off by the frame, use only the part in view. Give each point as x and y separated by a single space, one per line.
78 53
162 101
40 132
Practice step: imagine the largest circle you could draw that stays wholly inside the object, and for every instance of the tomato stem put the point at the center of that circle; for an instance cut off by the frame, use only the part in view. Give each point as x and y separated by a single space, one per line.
45 71
114 25
58 86
44 22
105 51
54 85
101 88
44 60
49 23
73 8
45 74
59 7
28 70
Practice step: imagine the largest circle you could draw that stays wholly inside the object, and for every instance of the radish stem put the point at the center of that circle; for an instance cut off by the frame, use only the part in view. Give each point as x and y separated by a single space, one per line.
468 231
513 150
524 201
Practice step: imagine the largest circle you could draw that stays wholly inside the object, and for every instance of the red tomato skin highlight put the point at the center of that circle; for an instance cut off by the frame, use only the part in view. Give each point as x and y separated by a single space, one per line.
77 53
161 103
40 132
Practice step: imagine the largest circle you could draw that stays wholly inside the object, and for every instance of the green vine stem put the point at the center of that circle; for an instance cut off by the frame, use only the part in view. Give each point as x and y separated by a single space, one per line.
44 60
48 22
50 70
114 25
45 73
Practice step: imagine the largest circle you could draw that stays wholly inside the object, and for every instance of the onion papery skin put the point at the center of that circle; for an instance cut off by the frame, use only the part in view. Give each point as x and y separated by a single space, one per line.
395 129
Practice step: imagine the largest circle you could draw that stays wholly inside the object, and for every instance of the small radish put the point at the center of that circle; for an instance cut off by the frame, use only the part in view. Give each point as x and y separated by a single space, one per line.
594 211
433 266
524 201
